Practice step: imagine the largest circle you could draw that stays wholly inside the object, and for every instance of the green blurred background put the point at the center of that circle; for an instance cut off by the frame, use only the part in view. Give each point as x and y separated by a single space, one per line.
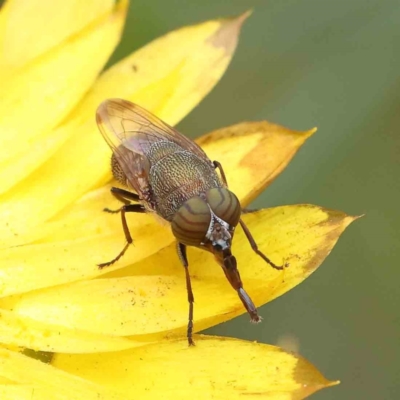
335 65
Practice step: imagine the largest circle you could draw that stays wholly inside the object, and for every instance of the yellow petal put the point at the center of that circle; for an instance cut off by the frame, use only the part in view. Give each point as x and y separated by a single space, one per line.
33 27
56 82
37 380
4 11
252 154
197 57
16 330
41 265
172 74
12 391
148 300
217 368
85 236
14 170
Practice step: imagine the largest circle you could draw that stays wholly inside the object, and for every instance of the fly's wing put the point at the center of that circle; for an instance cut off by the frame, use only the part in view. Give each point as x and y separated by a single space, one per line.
130 131
122 122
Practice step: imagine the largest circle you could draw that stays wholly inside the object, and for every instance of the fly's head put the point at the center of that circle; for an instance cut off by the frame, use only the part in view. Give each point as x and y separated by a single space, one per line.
208 221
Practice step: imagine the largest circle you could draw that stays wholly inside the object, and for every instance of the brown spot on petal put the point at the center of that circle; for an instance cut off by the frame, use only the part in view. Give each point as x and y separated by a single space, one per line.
280 140
336 222
228 34
275 148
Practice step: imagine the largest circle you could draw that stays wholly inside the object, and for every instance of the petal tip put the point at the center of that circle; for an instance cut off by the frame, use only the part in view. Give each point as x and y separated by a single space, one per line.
239 20
122 7
333 383
228 33
309 133
352 218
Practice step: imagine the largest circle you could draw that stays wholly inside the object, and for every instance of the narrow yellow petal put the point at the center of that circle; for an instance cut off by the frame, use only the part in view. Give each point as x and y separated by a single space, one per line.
172 74
217 368
16 330
33 27
148 300
56 82
85 236
41 265
12 391
43 381
20 166
4 11
4 380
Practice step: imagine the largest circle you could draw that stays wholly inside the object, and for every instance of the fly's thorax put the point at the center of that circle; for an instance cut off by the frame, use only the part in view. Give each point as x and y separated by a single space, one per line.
208 220
160 150
178 175
156 153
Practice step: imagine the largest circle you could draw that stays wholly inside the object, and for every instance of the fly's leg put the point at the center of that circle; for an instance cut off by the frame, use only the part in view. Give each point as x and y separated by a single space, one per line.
124 196
249 211
218 165
181 248
254 246
246 229
137 208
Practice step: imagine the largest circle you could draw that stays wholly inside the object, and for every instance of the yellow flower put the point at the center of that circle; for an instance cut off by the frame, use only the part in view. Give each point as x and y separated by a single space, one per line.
119 333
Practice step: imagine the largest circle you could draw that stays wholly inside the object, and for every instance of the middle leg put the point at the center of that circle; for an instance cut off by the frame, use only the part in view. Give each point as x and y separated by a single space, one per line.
124 196
137 208
181 248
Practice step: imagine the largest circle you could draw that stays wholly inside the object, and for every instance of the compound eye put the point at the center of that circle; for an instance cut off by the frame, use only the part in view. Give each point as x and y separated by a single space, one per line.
190 224
225 205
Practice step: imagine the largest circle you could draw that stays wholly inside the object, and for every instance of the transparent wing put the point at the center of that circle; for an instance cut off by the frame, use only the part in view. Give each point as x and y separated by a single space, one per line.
124 123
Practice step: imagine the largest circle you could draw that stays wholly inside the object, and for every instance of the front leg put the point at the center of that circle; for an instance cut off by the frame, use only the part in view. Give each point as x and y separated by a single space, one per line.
254 246
181 249
246 230
218 165
137 208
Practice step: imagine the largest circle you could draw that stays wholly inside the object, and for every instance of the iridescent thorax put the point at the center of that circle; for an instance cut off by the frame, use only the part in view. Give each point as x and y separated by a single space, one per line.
176 175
